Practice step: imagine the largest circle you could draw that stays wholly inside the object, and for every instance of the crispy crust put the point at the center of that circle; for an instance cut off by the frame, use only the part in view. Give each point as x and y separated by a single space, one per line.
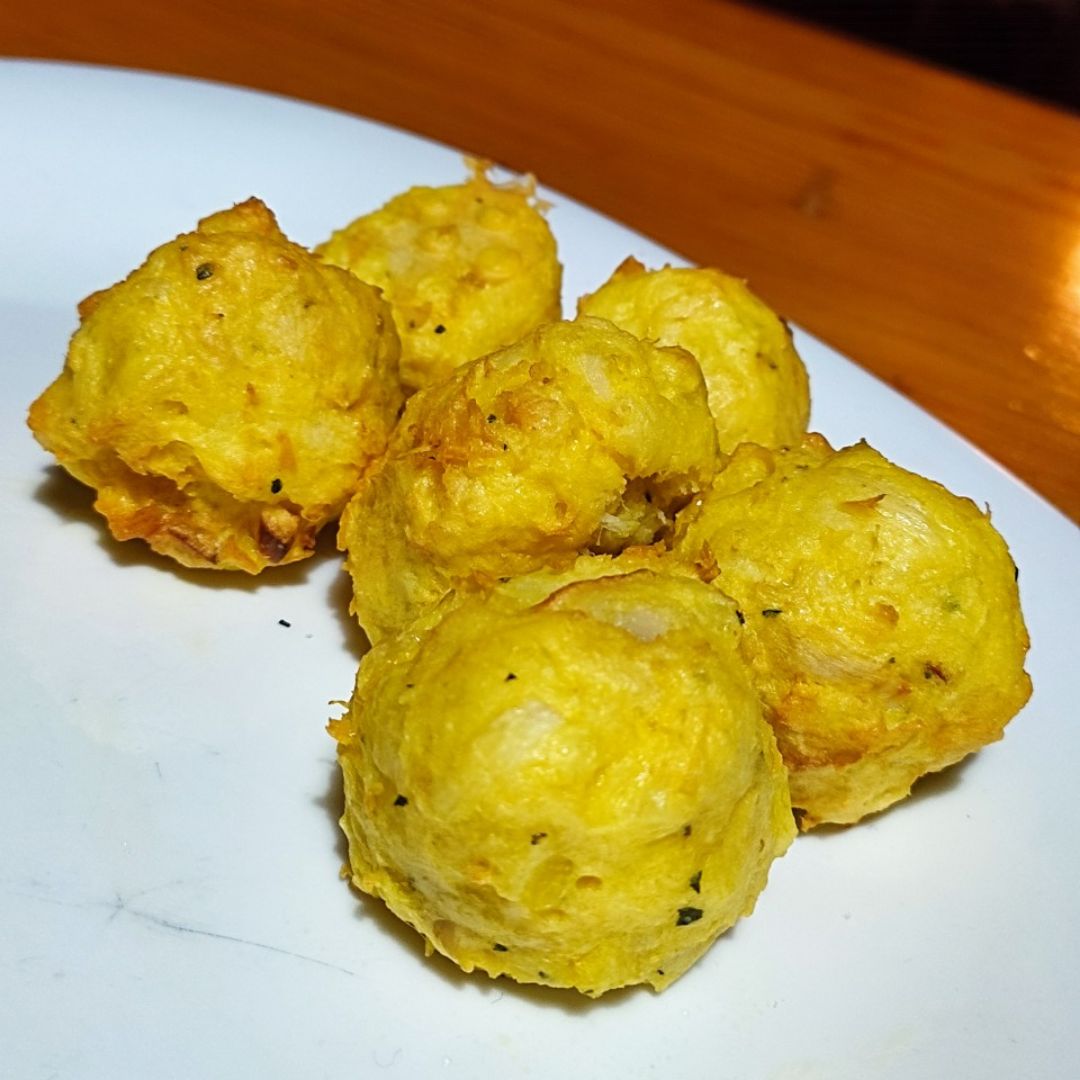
882 619
467 269
575 789
758 387
577 438
225 398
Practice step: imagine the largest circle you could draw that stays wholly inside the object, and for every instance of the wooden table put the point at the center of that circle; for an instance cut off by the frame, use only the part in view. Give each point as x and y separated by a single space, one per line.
925 225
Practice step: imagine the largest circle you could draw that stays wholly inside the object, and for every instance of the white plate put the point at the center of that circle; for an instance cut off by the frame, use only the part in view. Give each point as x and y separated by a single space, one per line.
169 895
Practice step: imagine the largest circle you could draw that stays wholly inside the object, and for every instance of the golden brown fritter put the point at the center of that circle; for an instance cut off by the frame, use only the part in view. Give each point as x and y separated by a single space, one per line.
577 438
225 397
883 623
467 269
758 389
579 792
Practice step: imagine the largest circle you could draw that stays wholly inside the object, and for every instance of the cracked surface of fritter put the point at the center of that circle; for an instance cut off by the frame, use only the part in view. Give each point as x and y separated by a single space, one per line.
758 388
882 617
224 398
579 792
467 269
577 438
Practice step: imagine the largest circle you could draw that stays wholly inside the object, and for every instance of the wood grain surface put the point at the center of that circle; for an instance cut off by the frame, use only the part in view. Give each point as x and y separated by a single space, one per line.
924 225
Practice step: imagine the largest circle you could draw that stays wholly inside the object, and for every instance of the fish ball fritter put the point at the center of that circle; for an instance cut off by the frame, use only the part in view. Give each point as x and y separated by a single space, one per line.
882 617
758 389
581 792
577 438
226 396
467 269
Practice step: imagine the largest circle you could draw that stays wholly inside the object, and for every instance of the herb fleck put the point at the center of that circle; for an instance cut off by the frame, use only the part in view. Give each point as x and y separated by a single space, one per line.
542 974
740 616
440 329
492 418
537 837
510 678
932 671
772 612
687 830
695 882
275 486
688 915
499 947
204 271
401 801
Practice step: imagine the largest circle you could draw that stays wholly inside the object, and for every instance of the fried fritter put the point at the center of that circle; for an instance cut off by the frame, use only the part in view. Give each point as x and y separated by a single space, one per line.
577 438
225 397
758 389
467 269
579 792
883 622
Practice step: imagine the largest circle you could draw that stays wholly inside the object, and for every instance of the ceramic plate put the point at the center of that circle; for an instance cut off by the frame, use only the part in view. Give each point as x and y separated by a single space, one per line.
169 895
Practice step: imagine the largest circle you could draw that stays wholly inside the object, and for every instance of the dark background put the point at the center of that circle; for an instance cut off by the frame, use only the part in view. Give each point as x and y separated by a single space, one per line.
1031 46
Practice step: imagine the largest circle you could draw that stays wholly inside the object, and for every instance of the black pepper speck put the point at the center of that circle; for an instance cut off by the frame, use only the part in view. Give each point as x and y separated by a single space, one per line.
688 915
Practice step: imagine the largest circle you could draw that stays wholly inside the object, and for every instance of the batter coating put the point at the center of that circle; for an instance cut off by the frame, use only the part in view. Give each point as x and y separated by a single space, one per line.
758 389
581 792
577 438
226 396
467 269
882 617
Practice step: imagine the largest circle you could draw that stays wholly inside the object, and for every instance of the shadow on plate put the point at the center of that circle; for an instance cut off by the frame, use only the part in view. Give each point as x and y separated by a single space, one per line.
339 596
74 502
370 909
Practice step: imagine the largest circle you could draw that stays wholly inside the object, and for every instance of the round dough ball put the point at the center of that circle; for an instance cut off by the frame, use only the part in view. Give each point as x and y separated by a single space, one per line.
581 792
758 389
226 396
467 269
883 622
577 438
